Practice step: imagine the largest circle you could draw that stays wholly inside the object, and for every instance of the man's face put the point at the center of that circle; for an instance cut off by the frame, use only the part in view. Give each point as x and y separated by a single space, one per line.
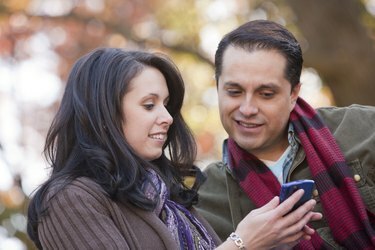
255 100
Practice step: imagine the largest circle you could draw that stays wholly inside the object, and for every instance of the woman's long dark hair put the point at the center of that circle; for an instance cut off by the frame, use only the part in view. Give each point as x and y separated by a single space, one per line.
86 137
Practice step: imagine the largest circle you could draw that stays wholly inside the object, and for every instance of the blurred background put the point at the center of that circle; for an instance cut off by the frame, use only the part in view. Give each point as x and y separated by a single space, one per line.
40 39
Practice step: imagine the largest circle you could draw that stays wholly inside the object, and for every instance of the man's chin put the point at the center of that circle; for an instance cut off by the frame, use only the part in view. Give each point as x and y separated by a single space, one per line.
245 145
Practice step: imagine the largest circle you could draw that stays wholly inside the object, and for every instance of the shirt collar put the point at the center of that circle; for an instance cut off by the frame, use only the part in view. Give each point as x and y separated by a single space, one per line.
292 137
225 152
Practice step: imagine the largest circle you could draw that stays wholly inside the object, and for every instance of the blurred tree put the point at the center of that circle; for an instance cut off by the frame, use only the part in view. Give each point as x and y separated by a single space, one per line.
336 34
337 39
339 44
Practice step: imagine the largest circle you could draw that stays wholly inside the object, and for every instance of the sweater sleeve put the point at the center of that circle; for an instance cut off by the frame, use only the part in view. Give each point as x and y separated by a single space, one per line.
78 218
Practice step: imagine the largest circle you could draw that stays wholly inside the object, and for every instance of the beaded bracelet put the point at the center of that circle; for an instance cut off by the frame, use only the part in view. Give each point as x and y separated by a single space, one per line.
237 240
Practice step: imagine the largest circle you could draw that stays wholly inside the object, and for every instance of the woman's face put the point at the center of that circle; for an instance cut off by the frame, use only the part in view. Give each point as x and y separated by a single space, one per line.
146 118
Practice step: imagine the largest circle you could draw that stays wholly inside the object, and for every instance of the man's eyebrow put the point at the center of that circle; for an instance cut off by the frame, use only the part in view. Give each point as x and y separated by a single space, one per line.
231 84
268 86
259 87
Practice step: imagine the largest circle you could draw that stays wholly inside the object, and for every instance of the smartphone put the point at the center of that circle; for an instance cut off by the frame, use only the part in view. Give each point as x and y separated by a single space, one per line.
287 189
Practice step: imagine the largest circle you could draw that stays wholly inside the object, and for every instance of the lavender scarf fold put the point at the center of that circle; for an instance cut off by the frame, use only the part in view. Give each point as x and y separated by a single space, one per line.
184 227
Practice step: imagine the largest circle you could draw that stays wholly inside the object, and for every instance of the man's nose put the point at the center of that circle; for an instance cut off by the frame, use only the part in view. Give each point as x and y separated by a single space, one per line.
248 107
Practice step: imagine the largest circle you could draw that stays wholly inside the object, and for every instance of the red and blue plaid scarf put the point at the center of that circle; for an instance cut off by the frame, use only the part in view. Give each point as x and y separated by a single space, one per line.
343 208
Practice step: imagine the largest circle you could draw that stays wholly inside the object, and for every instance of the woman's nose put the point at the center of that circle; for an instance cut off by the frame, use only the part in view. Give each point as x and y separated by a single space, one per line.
166 117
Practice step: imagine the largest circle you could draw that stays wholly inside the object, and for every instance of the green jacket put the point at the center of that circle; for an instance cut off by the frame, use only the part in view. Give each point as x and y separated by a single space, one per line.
223 203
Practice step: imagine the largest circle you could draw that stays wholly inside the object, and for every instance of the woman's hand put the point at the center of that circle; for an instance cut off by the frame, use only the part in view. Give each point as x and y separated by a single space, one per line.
273 226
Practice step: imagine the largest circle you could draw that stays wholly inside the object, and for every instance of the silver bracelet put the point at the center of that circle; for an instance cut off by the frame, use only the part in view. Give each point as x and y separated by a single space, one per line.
237 240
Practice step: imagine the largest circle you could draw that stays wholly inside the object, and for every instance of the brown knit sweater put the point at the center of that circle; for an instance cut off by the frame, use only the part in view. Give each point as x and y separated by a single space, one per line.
82 216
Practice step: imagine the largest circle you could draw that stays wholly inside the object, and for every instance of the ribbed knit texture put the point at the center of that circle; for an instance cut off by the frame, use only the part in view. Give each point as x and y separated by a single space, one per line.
82 216
347 216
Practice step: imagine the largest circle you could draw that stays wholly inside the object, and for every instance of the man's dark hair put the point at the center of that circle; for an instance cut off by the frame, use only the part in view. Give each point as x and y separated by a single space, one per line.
264 35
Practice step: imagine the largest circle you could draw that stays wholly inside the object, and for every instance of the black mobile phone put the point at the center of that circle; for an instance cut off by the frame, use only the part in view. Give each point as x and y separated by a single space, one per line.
287 189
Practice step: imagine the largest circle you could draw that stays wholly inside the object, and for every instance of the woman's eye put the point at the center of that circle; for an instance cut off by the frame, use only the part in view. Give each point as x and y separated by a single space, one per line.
148 106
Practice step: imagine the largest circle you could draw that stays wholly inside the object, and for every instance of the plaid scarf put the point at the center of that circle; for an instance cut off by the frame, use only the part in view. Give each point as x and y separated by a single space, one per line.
344 210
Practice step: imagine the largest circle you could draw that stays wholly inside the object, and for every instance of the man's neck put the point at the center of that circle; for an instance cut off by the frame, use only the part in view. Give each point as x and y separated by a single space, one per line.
272 153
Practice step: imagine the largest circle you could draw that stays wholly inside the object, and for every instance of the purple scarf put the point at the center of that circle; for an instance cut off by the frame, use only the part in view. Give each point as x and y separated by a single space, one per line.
184 227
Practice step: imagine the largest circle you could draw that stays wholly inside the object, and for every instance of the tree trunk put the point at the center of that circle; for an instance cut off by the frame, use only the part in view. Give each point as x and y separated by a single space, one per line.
338 47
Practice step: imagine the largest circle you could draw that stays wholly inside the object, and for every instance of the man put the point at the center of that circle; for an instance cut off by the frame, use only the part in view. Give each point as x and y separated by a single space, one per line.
276 137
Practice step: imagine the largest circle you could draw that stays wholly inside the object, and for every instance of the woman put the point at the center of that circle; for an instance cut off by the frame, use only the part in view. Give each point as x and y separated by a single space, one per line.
120 150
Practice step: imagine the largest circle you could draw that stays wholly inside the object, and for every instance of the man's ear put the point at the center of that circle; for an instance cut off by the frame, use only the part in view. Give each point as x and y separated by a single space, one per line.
294 94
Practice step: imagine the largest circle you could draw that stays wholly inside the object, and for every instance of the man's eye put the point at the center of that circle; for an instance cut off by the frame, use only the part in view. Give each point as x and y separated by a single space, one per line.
233 92
267 94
